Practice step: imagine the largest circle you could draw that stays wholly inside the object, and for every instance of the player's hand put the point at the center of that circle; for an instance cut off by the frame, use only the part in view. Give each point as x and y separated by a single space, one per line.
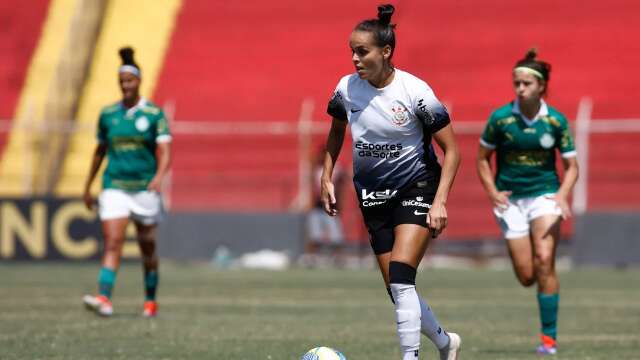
88 199
155 184
328 197
500 199
437 218
563 204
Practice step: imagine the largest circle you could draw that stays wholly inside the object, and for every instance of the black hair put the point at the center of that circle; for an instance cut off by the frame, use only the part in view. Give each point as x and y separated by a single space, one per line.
381 28
531 62
126 54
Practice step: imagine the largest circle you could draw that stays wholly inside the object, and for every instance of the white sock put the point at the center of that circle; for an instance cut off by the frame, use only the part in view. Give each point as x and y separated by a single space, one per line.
430 327
407 304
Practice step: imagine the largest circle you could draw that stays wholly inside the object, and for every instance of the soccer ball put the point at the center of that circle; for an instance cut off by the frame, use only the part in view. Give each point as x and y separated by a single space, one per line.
323 353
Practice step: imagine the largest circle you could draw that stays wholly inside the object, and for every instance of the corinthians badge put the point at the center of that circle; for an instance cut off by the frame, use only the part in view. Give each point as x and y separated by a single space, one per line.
400 114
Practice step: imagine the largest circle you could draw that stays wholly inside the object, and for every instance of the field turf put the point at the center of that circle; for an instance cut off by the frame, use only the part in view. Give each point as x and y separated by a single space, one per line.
240 314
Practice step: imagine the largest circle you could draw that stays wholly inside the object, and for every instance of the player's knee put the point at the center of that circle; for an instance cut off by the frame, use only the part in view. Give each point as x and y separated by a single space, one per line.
526 280
147 248
146 240
401 273
525 275
113 243
543 259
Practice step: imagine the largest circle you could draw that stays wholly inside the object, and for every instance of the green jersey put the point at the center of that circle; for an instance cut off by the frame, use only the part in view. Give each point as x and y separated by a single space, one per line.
526 157
131 136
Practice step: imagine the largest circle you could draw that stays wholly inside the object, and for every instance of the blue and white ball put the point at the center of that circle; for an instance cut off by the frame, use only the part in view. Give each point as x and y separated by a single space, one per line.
323 353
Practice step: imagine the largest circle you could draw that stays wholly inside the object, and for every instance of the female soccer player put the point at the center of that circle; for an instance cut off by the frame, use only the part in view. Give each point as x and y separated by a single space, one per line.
529 201
134 135
401 188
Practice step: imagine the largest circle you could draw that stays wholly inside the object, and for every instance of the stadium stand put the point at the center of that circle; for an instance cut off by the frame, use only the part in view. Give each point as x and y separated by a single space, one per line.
234 63
21 26
251 63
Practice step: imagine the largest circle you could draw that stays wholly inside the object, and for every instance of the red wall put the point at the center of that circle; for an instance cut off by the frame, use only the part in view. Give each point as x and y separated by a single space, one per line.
257 61
248 60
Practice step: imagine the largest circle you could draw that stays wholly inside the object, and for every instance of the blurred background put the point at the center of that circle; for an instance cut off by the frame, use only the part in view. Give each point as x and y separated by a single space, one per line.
245 85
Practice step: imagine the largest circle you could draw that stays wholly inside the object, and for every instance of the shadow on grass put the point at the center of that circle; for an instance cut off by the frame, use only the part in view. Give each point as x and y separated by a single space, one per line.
118 315
504 352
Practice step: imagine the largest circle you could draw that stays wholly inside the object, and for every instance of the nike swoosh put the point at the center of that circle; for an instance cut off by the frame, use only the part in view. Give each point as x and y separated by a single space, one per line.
355 110
418 213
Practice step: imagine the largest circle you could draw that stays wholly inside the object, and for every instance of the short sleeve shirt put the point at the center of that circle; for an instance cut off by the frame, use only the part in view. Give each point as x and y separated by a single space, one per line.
131 136
391 130
526 149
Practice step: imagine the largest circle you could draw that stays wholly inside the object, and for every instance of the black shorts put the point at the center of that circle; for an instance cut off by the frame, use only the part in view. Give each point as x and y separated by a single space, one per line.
409 207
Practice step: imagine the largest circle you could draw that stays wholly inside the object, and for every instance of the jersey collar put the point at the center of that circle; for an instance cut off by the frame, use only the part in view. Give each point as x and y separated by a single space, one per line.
141 103
544 111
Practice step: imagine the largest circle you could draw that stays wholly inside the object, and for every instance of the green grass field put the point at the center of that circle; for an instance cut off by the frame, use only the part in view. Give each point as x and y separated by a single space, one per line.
212 314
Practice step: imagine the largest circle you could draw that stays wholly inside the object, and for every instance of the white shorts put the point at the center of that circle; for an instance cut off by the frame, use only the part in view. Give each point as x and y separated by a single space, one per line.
324 228
515 218
141 206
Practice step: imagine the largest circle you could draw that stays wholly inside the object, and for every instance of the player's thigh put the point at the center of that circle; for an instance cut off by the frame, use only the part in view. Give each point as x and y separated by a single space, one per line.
146 232
379 225
410 244
545 233
521 253
114 231
411 234
383 263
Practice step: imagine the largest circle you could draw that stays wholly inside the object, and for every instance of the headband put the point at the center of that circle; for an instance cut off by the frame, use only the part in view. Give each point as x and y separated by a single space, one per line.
129 69
529 70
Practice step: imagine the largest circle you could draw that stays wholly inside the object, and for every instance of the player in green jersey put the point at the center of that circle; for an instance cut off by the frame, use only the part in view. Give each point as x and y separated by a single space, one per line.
529 199
134 135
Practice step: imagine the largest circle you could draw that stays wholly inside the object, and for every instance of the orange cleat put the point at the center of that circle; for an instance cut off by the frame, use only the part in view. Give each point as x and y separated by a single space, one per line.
548 345
100 304
150 309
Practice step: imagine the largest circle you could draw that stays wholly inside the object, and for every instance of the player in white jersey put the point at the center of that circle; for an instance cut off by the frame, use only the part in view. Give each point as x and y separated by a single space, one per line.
400 185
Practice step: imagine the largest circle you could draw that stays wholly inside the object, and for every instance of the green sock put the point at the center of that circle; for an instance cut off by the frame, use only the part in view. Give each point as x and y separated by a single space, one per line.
548 305
150 285
106 279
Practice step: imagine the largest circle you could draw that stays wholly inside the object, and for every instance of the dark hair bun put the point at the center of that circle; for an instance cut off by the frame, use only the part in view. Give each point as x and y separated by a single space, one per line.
126 54
530 60
532 54
384 14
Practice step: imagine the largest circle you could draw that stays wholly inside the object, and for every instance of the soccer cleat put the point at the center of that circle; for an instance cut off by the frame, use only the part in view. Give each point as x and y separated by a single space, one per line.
100 304
545 350
548 346
150 309
450 352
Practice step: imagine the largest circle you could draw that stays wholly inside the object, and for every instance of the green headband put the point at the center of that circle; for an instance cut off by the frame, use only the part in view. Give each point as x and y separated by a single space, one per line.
531 71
